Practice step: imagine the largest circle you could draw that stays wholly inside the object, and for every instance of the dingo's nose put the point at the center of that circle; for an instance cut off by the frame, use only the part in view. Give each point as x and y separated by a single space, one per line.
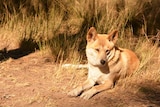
103 62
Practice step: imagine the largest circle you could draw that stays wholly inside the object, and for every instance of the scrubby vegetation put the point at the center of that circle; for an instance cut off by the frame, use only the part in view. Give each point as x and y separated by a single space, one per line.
61 25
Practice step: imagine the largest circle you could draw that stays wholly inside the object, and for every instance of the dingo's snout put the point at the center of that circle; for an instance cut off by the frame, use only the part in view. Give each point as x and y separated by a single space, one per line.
102 61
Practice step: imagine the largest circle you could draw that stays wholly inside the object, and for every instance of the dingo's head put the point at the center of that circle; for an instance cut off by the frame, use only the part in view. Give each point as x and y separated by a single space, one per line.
100 48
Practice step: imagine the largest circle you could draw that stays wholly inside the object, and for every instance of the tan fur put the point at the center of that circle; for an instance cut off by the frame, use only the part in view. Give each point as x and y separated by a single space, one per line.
106 63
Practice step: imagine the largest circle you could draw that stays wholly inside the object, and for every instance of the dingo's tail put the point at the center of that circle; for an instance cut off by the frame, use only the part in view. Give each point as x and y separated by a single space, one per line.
77 66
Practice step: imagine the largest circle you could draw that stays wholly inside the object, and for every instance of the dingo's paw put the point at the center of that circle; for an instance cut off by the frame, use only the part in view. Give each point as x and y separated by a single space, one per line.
75 92
88 94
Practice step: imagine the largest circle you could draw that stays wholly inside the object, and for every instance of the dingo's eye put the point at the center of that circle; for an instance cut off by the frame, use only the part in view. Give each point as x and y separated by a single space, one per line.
97 50
107 52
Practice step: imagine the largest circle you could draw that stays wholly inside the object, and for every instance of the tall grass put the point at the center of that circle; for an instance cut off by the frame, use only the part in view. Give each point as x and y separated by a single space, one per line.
61 25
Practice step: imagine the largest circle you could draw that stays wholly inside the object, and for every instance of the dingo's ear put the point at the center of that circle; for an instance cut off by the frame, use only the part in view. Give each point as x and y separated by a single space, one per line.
113 36
91 35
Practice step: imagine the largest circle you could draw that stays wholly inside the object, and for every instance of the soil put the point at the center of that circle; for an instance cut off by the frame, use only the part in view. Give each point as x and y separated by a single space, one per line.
34 80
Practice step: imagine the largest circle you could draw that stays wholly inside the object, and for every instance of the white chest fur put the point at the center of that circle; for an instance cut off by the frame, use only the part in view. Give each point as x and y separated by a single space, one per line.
95 72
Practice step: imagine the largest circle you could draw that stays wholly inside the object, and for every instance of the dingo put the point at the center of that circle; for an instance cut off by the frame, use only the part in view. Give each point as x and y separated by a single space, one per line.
106 63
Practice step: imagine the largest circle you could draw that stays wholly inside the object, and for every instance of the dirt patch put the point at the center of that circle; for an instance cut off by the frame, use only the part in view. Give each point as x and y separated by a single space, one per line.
35 81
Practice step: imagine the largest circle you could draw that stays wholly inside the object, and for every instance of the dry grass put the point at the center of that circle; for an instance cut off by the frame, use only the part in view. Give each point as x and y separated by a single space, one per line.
64 24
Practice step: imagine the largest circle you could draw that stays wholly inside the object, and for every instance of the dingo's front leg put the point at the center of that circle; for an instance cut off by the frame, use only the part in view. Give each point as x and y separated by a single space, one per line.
86 85
96 89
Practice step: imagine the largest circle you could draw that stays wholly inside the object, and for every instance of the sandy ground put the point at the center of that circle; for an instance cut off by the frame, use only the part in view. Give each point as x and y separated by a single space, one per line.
35 81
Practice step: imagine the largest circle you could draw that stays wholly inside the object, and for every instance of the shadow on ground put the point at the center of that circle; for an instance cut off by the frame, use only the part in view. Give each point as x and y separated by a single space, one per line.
151 95
27 46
